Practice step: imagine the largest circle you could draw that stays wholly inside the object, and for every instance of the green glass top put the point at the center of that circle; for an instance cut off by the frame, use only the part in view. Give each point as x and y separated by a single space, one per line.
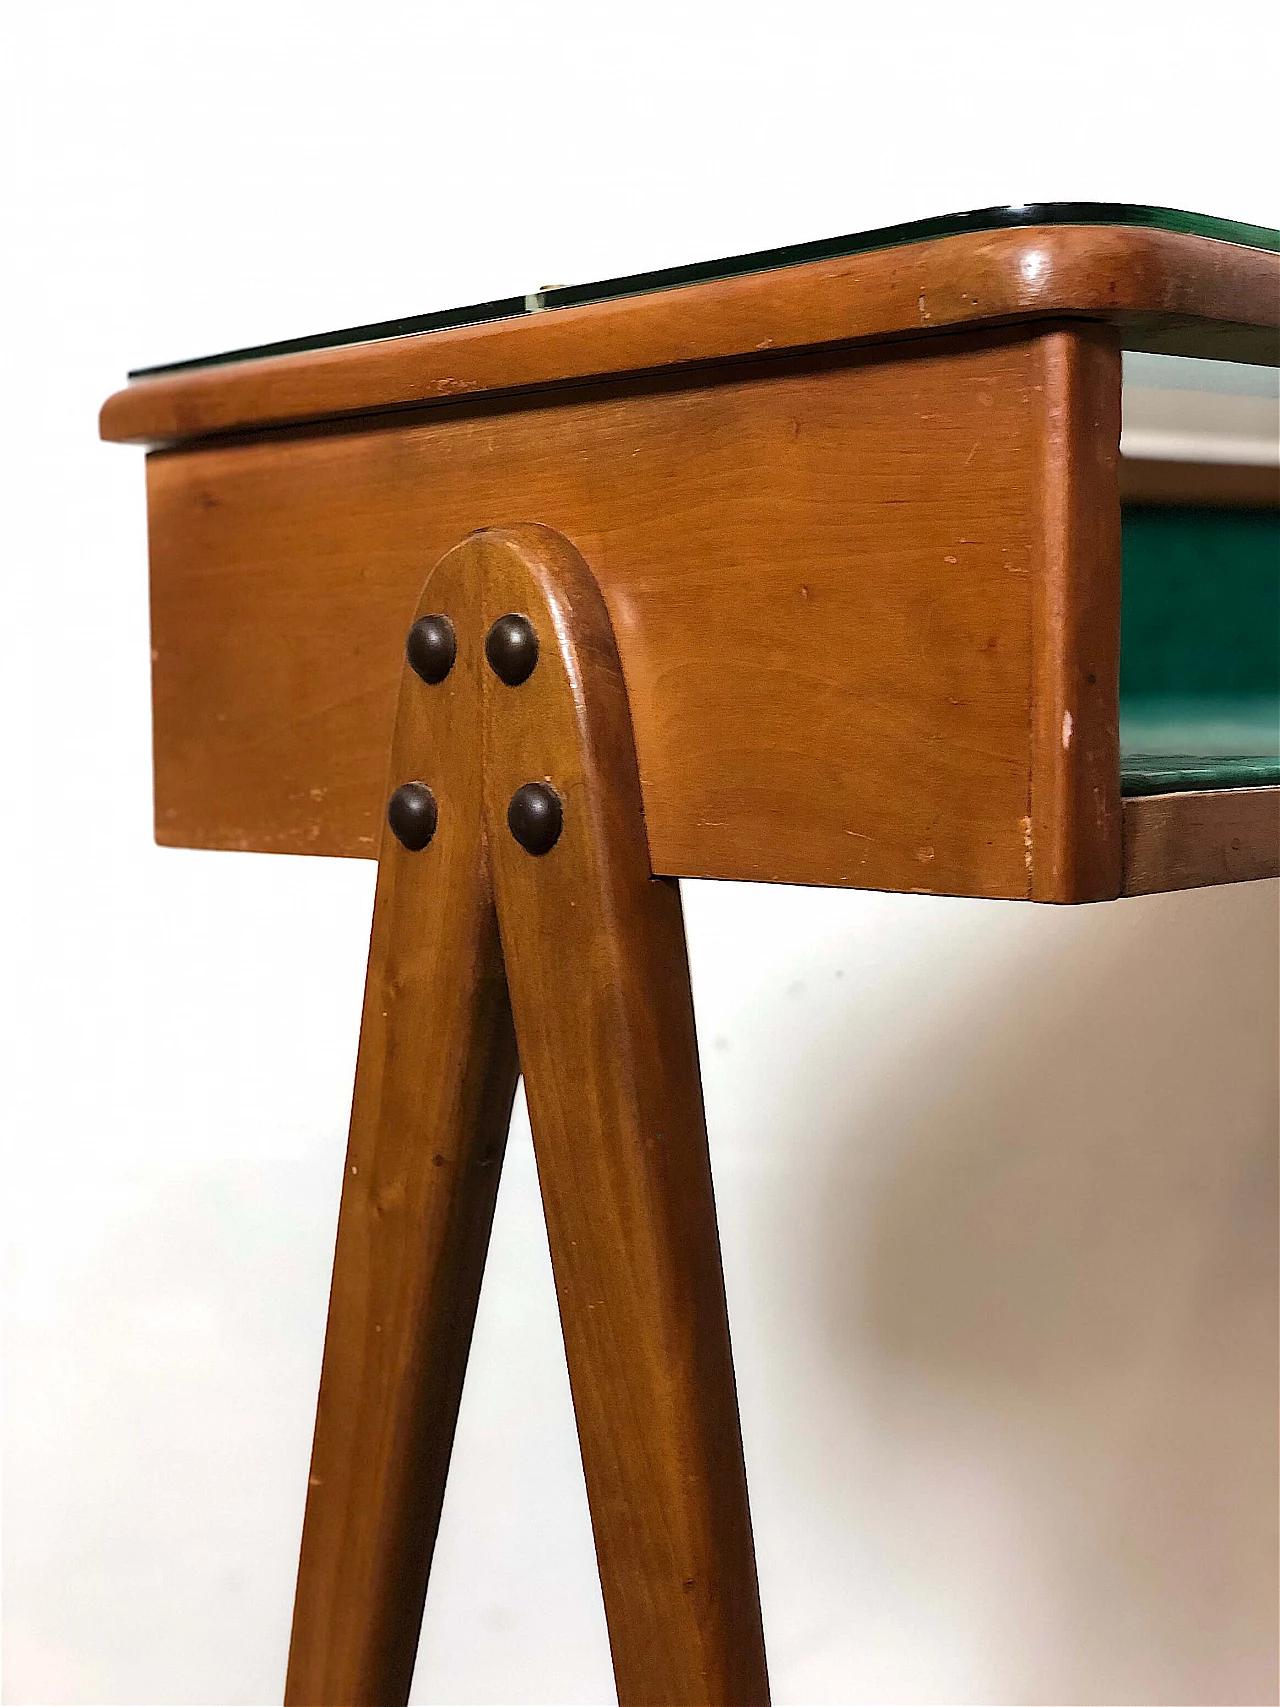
760 261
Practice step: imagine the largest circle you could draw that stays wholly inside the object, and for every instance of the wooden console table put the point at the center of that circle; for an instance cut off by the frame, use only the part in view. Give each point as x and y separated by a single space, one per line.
801 568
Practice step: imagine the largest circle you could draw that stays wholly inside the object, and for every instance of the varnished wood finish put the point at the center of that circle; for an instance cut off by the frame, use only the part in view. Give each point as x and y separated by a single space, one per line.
595 956
1073 849
1186 841
434 1086
1161 290
820 573
1206 485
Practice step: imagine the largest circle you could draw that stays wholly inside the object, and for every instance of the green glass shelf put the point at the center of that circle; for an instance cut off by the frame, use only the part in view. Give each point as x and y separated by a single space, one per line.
1199 650
760 261
1176 773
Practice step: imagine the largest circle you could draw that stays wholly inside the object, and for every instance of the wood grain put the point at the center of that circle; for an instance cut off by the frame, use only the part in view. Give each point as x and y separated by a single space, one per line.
1186 841
434 1085
1161 290
595 956
1074 846
819 570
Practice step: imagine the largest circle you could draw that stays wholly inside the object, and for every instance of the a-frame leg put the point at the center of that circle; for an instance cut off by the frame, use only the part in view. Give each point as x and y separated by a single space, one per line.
530 760
435 1079
596 963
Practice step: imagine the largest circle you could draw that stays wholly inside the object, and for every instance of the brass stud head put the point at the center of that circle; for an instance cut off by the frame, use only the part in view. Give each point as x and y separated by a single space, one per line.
512 649
431 648
412 815
535 817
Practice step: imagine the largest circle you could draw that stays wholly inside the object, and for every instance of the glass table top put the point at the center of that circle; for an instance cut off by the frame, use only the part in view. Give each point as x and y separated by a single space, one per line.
760 261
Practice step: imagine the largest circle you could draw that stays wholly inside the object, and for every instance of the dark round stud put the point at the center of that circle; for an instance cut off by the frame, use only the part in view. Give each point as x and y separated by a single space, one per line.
535 817
431 648
412 815
512 649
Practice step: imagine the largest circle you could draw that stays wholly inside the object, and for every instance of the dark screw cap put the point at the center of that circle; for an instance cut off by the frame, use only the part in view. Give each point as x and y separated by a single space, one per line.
431 648
535 817
512 649
412 815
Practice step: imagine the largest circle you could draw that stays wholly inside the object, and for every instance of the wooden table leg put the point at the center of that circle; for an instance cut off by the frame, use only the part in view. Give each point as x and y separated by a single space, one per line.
596 963
595 960
434 1084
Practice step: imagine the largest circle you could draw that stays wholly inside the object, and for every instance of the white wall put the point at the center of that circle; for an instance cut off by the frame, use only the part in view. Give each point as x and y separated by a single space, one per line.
997 1185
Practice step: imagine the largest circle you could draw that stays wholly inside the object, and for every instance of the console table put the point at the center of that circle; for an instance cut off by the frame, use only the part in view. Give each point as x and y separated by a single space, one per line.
802 567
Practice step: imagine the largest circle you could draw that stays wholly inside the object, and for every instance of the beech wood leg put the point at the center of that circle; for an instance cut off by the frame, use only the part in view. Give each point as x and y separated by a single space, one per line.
596 963
434 1084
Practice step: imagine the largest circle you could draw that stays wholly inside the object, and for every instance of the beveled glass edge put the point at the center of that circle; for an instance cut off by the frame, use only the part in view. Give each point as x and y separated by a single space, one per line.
759 261
1183 773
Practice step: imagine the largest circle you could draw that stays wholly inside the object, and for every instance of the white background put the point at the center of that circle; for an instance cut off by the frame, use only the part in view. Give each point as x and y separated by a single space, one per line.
997 1185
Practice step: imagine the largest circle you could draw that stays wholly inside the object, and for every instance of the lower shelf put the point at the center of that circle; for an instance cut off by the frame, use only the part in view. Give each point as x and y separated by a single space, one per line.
1198 837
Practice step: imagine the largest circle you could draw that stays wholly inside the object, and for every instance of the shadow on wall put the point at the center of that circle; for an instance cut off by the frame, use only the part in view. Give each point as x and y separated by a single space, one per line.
1058 1272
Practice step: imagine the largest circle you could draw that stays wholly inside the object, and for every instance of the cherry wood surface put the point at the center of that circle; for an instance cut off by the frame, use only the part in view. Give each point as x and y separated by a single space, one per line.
595 957
1162 291
836 581
1073 846
435 1078
1186 841
592 948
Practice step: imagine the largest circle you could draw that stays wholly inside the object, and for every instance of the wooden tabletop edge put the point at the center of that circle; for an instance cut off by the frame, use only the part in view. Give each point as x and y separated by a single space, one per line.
947 284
